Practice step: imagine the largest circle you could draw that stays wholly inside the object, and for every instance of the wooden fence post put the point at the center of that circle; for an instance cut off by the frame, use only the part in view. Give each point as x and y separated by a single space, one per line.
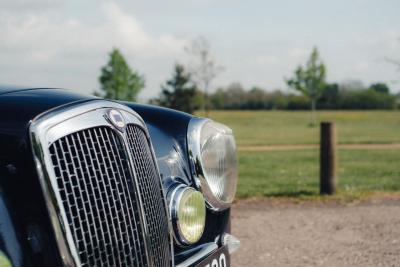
328 158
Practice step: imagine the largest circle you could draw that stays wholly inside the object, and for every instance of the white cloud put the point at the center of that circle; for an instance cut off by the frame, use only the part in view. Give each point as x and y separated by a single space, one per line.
64 44
46 35
124 28
28 5
299 53
35 42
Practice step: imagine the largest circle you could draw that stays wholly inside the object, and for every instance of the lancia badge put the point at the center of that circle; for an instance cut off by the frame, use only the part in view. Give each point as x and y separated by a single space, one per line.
116 118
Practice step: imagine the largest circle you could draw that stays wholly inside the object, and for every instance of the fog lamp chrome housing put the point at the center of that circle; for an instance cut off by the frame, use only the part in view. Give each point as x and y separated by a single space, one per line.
212 150
188 213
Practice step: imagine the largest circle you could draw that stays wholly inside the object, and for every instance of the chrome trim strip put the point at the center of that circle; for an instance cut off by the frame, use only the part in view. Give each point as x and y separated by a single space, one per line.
173 200
49 127
204 252
196 164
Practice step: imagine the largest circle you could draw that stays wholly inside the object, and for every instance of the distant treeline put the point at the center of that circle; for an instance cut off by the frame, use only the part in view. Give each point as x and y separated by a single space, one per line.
189 90
352 95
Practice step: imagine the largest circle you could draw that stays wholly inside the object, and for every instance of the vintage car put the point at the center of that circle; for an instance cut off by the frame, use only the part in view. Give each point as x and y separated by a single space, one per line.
91 182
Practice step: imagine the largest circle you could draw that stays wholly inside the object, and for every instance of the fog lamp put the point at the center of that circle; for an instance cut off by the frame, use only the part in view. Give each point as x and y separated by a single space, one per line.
4 260
188 212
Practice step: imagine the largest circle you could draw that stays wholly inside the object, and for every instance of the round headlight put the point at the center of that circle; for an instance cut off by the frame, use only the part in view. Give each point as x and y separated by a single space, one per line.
212 149
188 213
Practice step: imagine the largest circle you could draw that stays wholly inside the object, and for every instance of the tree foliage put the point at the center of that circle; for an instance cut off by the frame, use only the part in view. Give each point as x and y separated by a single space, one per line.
310 79
334 96
380 88
118 81
179 92
366 99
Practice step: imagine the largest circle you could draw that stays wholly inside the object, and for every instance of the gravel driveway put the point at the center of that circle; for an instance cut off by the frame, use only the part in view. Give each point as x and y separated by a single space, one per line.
283 233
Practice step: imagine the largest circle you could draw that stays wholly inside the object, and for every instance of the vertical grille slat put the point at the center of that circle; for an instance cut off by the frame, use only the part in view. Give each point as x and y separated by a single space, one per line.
92 183
100 213
152 196
86 211
122 200
97 193
77 142
106 180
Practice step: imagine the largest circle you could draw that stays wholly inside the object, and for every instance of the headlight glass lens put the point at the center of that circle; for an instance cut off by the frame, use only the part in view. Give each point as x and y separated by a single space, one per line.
218 155
191 215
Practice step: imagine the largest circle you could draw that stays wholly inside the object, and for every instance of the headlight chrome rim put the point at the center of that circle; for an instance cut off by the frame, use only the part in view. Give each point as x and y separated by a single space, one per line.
175 199
197 166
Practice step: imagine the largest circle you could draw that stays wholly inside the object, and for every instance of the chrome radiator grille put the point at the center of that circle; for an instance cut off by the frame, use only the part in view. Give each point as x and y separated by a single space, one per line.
102 186
98 197
150 190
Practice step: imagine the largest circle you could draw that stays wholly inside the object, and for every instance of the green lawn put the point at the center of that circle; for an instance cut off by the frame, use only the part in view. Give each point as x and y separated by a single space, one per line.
295 173
291 127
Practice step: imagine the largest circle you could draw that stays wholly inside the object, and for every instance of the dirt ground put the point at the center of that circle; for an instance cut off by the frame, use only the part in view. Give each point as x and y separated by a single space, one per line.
284 233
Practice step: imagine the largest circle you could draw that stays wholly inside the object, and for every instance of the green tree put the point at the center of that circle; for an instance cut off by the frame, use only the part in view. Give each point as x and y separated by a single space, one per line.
217 99
330 96
256 98
310 79
235 96
380 88
179 92
118 81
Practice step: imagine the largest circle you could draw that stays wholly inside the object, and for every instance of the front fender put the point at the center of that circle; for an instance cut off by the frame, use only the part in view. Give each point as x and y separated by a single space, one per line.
168 130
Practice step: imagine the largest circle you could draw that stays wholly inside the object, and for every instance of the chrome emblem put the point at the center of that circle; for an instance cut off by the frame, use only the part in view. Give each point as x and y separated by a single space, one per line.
116 119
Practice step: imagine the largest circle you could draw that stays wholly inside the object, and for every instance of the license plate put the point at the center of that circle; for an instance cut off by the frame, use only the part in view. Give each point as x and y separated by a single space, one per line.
220 258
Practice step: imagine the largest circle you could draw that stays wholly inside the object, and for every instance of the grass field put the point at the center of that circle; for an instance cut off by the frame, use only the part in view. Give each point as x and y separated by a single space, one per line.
296 173
292 127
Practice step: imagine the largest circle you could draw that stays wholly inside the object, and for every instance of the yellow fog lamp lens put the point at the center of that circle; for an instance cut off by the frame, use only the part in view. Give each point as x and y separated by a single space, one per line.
189 214
4 260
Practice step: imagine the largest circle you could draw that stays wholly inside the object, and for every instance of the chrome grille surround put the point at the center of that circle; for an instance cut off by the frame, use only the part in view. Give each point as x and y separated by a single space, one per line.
76 134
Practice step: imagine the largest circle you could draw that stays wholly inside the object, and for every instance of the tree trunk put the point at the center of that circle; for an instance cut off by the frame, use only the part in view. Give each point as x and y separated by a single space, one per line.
206 106
206 101
313 112
203 104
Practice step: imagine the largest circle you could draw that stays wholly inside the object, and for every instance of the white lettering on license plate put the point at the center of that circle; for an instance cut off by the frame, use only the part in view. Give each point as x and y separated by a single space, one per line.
221 262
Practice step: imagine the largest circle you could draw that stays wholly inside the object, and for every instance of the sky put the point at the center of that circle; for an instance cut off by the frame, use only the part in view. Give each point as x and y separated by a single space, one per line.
55 43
